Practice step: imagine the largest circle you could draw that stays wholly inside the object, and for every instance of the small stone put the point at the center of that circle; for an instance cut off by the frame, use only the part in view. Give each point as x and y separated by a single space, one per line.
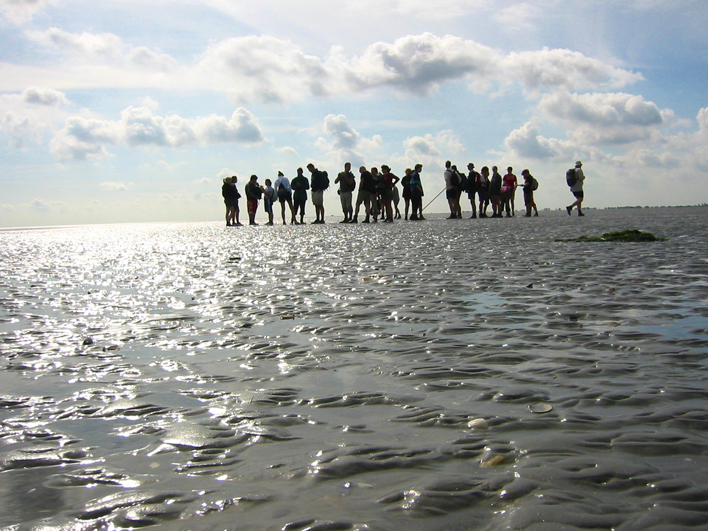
540 408
478 424
492 461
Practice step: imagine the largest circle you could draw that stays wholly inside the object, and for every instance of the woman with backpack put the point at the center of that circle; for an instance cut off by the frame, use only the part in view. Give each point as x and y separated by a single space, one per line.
285 195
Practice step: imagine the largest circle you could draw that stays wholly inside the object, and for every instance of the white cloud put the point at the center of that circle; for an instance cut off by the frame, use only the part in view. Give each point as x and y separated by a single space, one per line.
83 138
552 69
272 70
44 96
345 137
614 118
263 69
528 143
19 11
28 115
114 186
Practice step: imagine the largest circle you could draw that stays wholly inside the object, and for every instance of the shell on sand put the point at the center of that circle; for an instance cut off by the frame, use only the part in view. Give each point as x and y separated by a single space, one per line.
493 461
478 424
540 408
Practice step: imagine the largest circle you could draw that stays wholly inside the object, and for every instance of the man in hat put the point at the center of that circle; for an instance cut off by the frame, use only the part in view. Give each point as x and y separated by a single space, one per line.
577 189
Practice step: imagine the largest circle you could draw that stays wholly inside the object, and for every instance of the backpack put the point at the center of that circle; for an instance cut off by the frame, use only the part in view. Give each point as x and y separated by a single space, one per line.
454 178
325 180
534 185
464 183
570 177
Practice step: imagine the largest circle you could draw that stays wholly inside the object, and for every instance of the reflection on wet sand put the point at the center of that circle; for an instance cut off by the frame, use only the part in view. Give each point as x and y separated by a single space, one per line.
461 374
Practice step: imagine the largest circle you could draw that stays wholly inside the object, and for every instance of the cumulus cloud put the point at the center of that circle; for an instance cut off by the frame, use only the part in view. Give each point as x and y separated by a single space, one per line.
419 63
114 186
263 69
19 11
85 138
44 96
29 114
553 69
272 70
614 118
527 142
345 137
103 49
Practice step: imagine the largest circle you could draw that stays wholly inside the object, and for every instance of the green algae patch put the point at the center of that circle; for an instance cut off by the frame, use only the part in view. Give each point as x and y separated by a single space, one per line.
618 236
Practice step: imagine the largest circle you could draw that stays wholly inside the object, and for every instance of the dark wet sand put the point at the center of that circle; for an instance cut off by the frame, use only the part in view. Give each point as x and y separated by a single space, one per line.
437 375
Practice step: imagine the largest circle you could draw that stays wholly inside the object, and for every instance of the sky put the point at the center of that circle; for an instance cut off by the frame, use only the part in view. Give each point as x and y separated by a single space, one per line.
135 110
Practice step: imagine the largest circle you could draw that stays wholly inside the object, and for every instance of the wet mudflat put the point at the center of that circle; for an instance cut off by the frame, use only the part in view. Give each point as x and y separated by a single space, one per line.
436 375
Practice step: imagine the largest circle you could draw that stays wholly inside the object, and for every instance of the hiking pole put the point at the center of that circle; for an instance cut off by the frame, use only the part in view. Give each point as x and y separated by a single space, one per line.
433 199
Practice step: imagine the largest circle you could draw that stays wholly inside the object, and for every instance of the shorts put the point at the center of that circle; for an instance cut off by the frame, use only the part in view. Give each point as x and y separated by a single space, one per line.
483 194
268 205
452 193
387 195
579 195
318 197
252 206
231 203
284 195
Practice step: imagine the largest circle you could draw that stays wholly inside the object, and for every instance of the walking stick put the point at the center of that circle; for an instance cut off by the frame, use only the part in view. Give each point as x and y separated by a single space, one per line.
433 199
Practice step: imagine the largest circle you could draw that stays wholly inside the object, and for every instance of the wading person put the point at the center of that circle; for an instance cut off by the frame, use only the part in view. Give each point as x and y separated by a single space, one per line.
285 195
319 182
510 182
253 194
472 188
417 194
268 196
389 183
530 185
575 182
406 186
495 185
347 184
366 195
300 186
452 183
483 191
231 197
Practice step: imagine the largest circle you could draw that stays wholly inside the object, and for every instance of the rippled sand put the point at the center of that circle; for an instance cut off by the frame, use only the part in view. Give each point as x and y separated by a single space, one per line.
446 374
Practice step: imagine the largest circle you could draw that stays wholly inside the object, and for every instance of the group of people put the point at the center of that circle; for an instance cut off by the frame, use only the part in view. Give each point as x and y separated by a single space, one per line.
378 193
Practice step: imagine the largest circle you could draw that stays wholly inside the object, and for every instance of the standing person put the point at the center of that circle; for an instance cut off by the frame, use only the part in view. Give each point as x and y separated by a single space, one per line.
406 185
268 197
231 197
451 189
285 195
483 186
577 189
511 183
529 186
300 186
462 185
389 183
347 184
367 193
417 194
472 188
319 182
396 200
495 185
253 194
378 190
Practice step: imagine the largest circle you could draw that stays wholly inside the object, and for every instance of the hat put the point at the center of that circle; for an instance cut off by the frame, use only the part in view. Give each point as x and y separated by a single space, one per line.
280 174
578 163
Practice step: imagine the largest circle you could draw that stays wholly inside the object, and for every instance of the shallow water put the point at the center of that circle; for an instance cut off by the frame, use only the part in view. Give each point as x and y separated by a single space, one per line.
437 375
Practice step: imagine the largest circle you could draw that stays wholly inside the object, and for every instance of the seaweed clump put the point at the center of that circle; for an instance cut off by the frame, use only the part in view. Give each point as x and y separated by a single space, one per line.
618 236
